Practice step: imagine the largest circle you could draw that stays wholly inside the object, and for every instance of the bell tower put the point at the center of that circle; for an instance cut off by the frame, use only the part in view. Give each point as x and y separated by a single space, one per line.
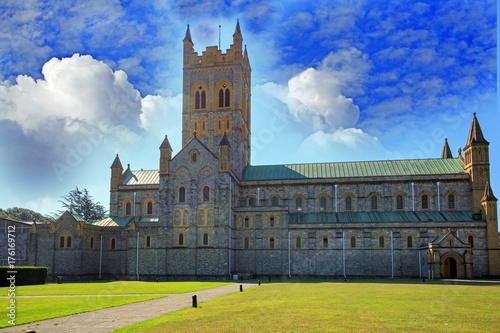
216 98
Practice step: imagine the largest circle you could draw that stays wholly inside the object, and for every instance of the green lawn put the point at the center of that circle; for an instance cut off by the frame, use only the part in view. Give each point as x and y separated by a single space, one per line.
35 309
113 288
366 306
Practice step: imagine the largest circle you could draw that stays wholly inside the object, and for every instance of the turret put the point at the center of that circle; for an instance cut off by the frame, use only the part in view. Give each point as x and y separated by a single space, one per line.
165 156
224 151
489 203
446 150
188 46
477 163
116 174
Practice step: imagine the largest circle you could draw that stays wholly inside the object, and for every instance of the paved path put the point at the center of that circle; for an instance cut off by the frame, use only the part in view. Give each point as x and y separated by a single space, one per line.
106 320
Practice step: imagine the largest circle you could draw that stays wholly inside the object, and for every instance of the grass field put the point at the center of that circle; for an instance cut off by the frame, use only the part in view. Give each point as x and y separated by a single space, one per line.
35 309
112 288
40 308
361 306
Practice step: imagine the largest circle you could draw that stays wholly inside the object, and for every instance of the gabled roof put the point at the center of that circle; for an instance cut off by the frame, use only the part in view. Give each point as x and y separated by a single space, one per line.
142 177
354 169
488 193
116 163
475 133
457 242
446 150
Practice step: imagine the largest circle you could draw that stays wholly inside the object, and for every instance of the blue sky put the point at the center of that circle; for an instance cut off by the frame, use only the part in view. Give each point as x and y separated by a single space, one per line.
331 81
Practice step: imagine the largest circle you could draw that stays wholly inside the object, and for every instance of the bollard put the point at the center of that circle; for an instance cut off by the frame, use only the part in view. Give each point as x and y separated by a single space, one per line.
259 282
195 302
241 287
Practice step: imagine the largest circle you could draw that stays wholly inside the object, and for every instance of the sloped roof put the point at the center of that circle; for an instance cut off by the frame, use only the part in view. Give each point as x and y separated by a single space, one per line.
165 144
141 177
446 150
114 221
354 169
116 163
488 193
422 216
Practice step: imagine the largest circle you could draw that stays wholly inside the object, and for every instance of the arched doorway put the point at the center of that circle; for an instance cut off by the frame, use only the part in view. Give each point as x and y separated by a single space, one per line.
450 268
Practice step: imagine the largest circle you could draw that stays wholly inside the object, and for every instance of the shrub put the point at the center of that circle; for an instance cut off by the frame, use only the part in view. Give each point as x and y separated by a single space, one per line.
24 276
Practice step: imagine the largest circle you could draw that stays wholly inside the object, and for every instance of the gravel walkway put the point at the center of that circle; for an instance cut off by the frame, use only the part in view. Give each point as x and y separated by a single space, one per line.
106 320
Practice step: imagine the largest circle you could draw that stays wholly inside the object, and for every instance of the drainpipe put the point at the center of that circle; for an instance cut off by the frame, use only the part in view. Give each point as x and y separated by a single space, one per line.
289 268
258 196
100 259
343 252
134 203
413 194
336 203
439 207
392 255
419 264
137 258
230 224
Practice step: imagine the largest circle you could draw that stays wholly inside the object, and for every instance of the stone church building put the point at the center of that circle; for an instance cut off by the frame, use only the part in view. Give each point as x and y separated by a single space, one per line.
207 213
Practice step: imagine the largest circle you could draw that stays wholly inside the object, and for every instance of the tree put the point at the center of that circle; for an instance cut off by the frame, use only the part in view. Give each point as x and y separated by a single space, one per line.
80 202
23 214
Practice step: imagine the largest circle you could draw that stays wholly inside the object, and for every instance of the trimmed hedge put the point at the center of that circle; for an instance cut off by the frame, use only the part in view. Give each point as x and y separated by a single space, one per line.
25 275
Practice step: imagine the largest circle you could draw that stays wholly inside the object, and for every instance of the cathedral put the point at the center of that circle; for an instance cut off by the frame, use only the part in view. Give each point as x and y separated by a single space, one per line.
207 213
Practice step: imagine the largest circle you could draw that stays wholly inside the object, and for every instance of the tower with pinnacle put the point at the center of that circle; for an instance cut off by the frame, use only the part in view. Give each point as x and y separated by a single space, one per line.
216 98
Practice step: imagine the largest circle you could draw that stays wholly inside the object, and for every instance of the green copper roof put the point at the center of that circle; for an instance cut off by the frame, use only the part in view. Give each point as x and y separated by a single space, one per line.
382 217
354 169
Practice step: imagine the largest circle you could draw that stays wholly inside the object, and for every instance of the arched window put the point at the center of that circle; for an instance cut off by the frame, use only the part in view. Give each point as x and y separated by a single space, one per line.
206 193
271 222
348 203
409 242
203 126
425 201
194 157
251 202
228 98
227 124
91 242
298 204
113 243
197 101
128 209
374 202
205 239
246 242
149 208
451 201
203 99
325 242
470 239
274 201
353 242
399 202
246 222
68 242
221 99
322 204
298 242
219 124
271 242
182 192
381 242
148 241
180 239
61 242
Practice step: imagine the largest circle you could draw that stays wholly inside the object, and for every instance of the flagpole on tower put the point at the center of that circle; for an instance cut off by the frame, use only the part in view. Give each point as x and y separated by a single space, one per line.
219 36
